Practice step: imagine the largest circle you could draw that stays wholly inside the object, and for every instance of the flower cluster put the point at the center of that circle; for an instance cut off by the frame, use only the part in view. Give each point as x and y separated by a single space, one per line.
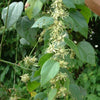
30 61
60 77
72 54
59 10
25 78
57 44
41 36
62 92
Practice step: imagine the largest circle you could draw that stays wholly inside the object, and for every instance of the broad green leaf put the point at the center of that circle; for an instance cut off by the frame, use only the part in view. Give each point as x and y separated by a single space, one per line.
49 71
84 51
32 85
43 21
87 53
85 11
69 3
77 92
52 94
80 24
24 29
34 8
11 15
71 44
44 58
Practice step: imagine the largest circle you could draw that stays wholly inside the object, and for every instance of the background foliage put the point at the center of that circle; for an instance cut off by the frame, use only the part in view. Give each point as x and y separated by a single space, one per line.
17 46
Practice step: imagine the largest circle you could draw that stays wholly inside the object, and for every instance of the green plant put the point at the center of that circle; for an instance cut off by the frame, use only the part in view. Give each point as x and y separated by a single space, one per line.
49 27
89 79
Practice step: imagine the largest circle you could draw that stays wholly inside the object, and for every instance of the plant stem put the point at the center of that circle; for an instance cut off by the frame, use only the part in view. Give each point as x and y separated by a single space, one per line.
33 48
16 56
13 64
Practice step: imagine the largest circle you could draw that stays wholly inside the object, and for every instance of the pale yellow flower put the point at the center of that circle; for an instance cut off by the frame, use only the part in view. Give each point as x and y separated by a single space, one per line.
25 78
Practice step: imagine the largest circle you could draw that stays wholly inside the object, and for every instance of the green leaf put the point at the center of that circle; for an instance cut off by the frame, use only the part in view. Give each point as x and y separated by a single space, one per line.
43 21
34 8
72 45
2 76
11 15
32 86
69 3
85 11
80 25
24 29
87 53
77 92
84 51
52 94
49 71
44 58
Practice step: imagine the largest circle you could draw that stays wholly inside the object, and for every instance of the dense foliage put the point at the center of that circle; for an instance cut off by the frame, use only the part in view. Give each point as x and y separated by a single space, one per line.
46 51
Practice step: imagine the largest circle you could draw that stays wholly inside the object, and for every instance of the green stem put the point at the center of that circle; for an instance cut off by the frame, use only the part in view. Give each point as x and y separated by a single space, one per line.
13 64
33 48
16 56
16 49
2 42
